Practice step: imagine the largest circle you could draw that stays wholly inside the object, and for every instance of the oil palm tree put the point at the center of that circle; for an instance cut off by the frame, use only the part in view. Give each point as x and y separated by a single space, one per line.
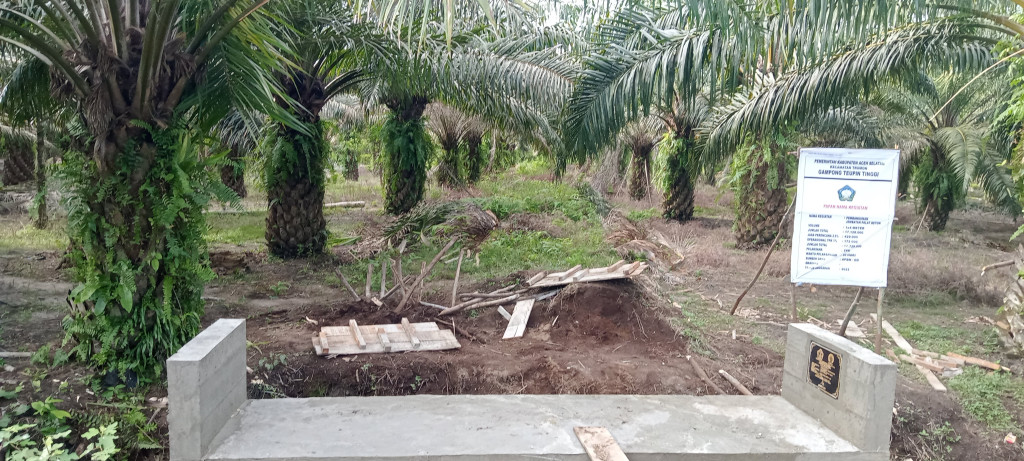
150 78
640 138
516 83
448 126
948 141
327 46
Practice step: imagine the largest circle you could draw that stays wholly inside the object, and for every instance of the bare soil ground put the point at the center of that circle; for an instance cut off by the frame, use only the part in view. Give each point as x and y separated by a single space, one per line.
613 337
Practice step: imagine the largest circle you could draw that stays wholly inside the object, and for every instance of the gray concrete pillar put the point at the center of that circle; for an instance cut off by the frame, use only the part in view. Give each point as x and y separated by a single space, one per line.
205 387
848 388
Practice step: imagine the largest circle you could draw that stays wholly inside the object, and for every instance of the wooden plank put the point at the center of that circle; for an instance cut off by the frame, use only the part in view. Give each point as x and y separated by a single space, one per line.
616 266
411 332
895 335
356 334
932 379
384 341
569 272
371 330
599 444
536 278
323 343
448 341
976 361
504 313
921 363
594 275
520 316
579 275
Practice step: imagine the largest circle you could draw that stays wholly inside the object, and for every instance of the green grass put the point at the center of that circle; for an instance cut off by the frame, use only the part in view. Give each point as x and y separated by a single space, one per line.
983 394
643 215
236 228
922 301
505 197
695 318
16 236
943 339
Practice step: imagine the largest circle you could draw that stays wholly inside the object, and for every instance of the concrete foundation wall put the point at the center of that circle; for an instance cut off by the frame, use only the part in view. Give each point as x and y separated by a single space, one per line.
205 387
862 410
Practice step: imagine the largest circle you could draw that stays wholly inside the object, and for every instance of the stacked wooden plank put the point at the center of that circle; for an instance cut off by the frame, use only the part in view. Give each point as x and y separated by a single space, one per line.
376 339
578 274
929 363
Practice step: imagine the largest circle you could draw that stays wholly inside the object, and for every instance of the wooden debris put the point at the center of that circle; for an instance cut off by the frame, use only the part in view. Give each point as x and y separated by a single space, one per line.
355 204
978 362
996 266
435 306
599 444
892 356
932 379
849 313
347 285
735 383
921 363
374 339
461 331
504 313
376 301
476 304
704 376
455 284
423 274
895 335
383 277
356 334
411 332
520 316
369 278
578 274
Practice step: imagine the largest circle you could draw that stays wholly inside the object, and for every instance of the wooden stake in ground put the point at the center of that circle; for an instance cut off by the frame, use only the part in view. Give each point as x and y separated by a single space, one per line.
423 275
369 279
735 383
849 313
383 277
704 376
455 285
878 331
347 285
771 249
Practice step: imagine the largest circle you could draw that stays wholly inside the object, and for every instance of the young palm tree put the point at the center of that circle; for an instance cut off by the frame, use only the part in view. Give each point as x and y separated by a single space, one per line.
640 137
150 79
448 126
947 140
472 136
328 45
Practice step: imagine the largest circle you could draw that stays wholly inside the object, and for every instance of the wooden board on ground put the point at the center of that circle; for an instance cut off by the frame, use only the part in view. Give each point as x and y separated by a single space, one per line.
932 379
376 339
619 270
895 335
852 330
521 315
599 444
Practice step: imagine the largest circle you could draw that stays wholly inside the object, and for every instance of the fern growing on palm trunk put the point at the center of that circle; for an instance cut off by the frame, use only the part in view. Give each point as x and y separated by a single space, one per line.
760 172
679 184
295 192
407 148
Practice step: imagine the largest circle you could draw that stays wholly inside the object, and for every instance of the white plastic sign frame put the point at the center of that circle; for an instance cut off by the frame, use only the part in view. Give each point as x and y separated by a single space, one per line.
845 205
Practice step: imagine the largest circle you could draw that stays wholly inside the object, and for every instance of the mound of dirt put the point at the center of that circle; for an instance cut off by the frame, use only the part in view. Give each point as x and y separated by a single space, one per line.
600 338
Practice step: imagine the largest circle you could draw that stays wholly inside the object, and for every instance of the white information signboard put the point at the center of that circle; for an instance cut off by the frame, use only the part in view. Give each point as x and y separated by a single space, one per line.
845 203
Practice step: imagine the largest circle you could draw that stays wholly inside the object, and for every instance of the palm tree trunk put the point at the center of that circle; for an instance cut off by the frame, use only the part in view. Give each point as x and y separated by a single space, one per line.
139 249
449 175
407 149
761 199
295 195
640 174
41 214
233 174
474 159
679 197
351 165
19 165
935 216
